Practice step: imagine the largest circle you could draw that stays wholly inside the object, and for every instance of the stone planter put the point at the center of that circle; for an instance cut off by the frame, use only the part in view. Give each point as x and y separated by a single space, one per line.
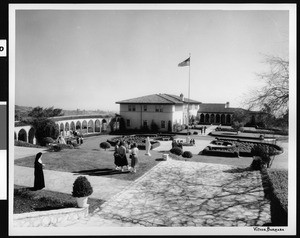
82 202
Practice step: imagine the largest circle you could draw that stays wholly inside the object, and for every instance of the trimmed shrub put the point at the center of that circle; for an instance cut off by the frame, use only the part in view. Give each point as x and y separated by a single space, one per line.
48 140
104 145
264 152
59 147
195 133
187 154
176 151
82 187
45 127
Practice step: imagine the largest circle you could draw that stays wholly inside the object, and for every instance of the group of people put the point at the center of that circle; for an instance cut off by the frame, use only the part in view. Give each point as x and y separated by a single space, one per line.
203 129
176 144
120 156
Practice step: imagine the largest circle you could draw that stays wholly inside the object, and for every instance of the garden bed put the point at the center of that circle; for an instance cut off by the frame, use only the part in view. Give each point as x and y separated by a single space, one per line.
27 200
236 147
140 140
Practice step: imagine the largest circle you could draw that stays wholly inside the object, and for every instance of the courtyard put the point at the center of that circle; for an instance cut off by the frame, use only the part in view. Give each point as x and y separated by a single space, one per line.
200 191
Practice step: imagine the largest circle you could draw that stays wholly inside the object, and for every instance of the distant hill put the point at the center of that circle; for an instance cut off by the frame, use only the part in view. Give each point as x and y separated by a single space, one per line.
21 112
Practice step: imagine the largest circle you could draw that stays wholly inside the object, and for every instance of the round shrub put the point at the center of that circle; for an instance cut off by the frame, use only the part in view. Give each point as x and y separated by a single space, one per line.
82 187
195 133
48 140
104 145
176 151
59 147
256 164
187 154
263 151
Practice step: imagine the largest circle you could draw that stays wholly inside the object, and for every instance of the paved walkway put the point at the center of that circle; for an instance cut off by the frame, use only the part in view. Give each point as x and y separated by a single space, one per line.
173 193
103 188
178 193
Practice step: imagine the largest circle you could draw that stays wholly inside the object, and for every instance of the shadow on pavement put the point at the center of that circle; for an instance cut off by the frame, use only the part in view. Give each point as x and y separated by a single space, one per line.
238 170
100 172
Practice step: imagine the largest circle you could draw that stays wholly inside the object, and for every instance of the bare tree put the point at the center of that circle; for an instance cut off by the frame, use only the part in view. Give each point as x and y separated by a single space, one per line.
275 93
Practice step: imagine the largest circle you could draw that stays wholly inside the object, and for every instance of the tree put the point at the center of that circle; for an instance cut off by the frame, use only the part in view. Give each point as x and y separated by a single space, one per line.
45 127
122 124
240 118
39 112
275 93
154 126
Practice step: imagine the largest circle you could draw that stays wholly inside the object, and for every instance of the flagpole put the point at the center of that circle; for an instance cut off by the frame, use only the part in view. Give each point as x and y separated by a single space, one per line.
188 110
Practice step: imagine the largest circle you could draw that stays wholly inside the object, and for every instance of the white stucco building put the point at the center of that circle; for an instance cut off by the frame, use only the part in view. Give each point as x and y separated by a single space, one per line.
162 109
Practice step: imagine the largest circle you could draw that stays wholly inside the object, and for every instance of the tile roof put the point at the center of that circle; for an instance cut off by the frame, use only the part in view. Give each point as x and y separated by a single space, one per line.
158 99
215 107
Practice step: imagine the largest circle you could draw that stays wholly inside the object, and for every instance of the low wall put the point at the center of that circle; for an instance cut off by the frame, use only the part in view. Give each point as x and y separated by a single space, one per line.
47 218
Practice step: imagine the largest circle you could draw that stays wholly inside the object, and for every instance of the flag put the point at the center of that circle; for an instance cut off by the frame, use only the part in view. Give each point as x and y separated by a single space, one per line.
185 63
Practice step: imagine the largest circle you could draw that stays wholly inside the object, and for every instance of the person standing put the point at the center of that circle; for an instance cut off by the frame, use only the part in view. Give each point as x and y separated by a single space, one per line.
117 156
39 182
123 157
134 157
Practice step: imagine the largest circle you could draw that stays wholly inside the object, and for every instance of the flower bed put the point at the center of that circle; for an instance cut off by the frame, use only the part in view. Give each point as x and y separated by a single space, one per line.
140 140
236 147
225 152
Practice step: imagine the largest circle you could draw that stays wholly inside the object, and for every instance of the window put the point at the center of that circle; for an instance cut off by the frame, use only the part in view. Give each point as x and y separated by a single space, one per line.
128 122
163 124
131 108
145 123
145 108
159 108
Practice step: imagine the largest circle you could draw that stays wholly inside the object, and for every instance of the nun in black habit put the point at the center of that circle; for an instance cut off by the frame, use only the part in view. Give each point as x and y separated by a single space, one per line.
39 182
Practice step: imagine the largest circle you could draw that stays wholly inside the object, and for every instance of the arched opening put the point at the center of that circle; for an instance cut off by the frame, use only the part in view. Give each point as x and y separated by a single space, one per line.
84 127
218 118
67 129
78 125
72 126
31 135
207 118
61 128
104 124
91 126
228 119
212 118
97 126
202 117
222 119
22 135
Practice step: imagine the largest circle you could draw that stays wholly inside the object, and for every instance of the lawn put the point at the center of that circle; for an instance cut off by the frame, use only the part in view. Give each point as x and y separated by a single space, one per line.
90 159
27 200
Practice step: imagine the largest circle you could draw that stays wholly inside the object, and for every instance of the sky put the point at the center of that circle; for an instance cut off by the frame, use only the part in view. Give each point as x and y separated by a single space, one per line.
90 59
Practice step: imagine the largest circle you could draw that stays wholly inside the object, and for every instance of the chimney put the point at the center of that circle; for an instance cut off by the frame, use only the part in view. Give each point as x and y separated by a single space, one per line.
181 97
227 105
